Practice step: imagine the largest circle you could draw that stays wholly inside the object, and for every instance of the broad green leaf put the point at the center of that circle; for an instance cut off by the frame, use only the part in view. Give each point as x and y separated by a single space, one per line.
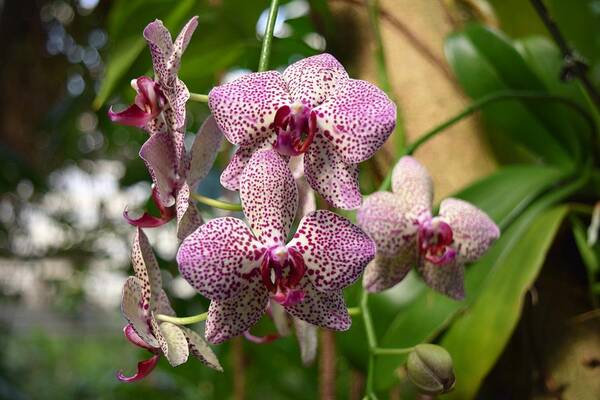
503 196
126 23
476 339
484 62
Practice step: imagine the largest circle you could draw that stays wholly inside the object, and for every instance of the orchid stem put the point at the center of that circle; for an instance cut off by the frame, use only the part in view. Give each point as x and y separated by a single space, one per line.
353 311
392 352
371 340
479 104
265 52
200 98
223 205
182 320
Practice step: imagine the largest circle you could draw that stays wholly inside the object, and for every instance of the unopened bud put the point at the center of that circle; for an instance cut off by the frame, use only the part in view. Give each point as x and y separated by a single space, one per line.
430 369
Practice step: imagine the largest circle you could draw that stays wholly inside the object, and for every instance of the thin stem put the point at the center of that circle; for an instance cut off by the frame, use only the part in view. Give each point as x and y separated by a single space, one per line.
182 320
200 98
353 311
573 64
265 52
391 352
479 104
371 340
223 205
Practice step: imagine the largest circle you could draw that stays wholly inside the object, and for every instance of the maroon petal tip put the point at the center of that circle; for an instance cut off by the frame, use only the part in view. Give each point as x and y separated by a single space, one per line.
147 220
260 339
144 368
131 116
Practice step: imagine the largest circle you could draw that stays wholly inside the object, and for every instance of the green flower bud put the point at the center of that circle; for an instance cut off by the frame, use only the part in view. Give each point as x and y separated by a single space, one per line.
430 369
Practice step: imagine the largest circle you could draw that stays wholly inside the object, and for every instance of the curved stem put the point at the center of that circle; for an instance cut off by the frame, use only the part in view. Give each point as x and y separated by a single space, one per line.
479 104
223 205
265 52
353 311
183 320
371 340
392 352
200 98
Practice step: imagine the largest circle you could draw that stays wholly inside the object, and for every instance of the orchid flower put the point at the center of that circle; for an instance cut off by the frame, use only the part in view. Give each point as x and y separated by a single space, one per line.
407 235
240 269
143 297
306 333
171 189
313 109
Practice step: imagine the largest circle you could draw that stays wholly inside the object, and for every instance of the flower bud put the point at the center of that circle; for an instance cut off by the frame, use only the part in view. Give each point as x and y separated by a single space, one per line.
430 369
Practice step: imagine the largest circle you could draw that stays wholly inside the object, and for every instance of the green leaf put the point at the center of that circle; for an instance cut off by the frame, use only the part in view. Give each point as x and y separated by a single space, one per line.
485 61
127 20
588 255
502 195
478 337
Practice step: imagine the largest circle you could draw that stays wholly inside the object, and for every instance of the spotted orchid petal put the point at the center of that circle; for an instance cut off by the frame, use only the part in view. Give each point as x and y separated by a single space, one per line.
327 310
334 249
204 151
175 346
385 272
307 339
447 279
312 80
245 108
230 178
158 152
234 316
473 230
357 120
219 258
188 216
143 369
330 176
146 269
412 186
269 196
165 54
200 349
131 116
136 310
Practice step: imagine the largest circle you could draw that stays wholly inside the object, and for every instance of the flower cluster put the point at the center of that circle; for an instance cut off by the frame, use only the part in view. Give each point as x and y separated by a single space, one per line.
298 132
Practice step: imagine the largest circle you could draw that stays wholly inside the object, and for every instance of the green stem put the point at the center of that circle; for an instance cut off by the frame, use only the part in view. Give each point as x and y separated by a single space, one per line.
182 320
371 340
200 98
223 205
353 311
392 352
479 104
265 52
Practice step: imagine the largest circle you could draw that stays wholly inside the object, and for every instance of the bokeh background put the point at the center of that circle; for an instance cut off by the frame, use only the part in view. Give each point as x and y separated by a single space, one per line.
67 174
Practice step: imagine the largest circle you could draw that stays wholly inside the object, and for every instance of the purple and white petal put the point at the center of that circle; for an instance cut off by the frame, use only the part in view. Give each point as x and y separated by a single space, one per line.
413 188
385 272
177 97
131 116
146 268
327 310
201 350
158 152
230 177
204 151
176 348
357 120
280 318
188 216
245 108
133 309
446 279
312 80
307 201
330 176
473 230
161 46
179 46
307 340
387 221
269 196
234 316
335 250
219 258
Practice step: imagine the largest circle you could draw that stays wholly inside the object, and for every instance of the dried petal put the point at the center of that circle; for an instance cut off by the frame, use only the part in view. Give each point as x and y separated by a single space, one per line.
176 349
135 310
204 151
143 369
201 350
159 155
